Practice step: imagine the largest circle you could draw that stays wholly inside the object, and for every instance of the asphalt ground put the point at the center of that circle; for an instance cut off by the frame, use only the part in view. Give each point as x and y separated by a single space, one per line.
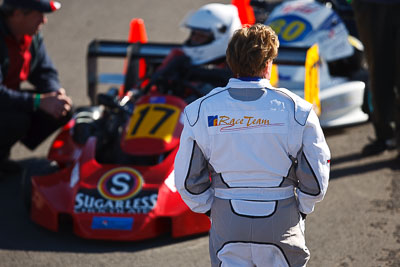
357 224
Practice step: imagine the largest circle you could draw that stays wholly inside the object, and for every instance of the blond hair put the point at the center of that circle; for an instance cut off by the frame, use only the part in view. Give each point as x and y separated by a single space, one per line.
250 49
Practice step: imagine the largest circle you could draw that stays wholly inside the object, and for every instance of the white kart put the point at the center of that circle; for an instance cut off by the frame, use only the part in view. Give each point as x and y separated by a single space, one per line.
330 75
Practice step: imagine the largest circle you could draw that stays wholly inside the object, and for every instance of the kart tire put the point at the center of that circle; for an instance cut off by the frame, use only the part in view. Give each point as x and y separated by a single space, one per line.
34 168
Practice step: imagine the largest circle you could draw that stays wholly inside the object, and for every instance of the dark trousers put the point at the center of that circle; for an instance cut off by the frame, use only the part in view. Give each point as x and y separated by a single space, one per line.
31 128
379 28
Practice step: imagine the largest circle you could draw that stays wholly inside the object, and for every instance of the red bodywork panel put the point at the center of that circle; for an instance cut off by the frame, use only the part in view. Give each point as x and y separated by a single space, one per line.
64 150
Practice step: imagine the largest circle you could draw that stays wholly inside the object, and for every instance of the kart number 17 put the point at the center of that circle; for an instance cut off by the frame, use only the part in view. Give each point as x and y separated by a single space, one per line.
153 121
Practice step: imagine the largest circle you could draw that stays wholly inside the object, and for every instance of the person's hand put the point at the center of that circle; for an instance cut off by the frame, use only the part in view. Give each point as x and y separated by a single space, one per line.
57 103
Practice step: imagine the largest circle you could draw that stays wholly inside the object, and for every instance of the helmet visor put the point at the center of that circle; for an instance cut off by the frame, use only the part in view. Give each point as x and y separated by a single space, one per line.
199 37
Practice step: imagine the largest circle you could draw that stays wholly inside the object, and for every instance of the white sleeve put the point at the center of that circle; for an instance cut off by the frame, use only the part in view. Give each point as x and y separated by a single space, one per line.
192 177
313 166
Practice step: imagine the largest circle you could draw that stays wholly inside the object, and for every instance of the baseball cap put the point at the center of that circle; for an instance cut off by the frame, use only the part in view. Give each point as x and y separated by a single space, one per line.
44 6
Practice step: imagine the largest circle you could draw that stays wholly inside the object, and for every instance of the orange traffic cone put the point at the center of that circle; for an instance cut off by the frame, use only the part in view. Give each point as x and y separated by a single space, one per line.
246 13
137 34
137 31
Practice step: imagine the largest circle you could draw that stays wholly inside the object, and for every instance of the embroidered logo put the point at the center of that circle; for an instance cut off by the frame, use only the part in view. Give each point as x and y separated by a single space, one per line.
212 121
230 124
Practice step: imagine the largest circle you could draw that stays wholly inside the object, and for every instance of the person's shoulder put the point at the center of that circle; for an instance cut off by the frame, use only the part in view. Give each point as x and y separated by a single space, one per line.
286 93
193 110
301 107
195 105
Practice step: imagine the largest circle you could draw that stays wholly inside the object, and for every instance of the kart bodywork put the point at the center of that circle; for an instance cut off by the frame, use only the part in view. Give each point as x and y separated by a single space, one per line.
342 78
121 189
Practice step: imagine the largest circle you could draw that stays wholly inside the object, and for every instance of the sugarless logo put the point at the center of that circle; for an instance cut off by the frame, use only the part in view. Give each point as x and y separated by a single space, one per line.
120 183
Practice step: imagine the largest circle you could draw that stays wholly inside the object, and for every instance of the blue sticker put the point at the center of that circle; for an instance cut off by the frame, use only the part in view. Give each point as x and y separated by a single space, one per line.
158 100
212 121
112 223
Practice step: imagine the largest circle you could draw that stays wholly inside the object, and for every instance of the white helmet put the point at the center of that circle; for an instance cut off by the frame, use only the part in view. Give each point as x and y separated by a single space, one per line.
220 22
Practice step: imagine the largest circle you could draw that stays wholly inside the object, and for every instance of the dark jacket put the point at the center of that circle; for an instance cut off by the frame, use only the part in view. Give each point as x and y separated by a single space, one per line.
42 73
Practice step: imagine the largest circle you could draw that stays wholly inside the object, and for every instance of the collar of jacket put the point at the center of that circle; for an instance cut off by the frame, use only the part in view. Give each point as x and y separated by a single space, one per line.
259 83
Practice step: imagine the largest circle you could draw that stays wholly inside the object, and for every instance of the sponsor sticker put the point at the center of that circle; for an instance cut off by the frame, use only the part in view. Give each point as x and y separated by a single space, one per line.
252 121
112 223
158 99
118 191
120 183
90 201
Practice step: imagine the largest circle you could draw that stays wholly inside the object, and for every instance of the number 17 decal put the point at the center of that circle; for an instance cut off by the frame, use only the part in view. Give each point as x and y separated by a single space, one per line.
153 121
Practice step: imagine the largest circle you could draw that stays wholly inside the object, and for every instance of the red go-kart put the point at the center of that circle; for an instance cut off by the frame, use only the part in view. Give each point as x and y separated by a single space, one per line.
111 168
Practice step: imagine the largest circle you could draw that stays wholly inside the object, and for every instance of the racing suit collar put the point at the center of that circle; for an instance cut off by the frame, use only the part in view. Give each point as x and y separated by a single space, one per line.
256 83
250 79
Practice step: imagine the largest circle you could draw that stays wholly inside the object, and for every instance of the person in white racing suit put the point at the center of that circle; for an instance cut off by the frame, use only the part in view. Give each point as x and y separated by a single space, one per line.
253 158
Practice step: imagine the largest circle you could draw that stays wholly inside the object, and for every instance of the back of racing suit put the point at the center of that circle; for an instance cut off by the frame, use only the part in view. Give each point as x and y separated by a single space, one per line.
253 156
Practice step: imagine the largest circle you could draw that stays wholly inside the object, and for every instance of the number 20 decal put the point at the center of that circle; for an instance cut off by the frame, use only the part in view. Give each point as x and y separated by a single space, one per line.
153 121
290 28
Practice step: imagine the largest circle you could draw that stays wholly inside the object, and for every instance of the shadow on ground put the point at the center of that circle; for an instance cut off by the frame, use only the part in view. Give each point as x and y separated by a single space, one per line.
362 167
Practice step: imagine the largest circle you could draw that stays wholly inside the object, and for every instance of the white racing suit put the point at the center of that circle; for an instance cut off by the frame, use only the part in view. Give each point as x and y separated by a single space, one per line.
253 156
